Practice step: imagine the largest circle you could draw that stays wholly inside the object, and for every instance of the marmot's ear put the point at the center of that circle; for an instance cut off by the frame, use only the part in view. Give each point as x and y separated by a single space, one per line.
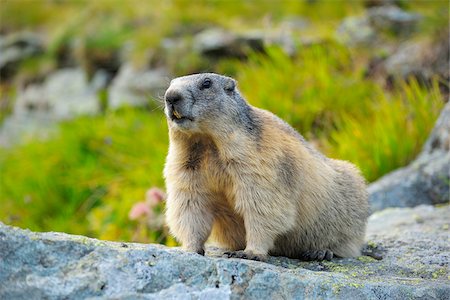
230 85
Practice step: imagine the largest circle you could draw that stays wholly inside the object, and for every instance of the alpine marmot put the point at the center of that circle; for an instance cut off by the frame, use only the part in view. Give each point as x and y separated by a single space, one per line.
249 182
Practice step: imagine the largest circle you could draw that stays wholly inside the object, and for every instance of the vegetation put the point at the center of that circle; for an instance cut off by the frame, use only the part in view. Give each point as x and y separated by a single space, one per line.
86 178
376 130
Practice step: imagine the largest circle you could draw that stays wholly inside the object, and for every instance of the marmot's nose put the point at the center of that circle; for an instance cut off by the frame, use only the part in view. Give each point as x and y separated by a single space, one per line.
172 97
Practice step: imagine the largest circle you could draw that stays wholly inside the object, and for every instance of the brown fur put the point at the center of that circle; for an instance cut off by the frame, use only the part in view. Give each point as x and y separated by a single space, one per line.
261 188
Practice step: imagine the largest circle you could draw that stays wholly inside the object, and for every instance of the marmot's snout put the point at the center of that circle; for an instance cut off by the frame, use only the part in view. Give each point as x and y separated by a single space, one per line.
173 97
175 107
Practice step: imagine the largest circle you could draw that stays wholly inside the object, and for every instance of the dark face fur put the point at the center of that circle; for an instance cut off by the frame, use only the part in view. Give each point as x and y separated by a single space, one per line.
194 102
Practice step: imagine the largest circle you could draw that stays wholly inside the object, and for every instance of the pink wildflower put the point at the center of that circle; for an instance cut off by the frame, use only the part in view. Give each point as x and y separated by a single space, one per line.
138 210
154 196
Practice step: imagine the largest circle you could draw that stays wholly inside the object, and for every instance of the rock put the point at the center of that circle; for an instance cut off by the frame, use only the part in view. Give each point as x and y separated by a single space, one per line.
425 180
366 29
355 31
415 240
439 140
15 48
253 40
137 87
393 19
16 129
294 23
217 43
206 49
56 265
101 48
65 94
214 41
422 182
406 61
423 60
373 3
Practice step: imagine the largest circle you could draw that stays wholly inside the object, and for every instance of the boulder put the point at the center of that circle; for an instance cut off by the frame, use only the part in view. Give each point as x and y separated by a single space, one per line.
425 180
218 43
393 19
374 3
421 59
65 94
367 28
439 140
356 31
214 41
406 61
137 87
14 49
61 266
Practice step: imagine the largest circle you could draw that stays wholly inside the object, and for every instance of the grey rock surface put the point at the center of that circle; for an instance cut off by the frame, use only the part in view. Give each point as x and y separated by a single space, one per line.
135 87
426 180
61 266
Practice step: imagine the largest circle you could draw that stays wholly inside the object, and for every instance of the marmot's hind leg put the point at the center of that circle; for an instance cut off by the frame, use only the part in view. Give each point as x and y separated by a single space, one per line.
318 255
228 231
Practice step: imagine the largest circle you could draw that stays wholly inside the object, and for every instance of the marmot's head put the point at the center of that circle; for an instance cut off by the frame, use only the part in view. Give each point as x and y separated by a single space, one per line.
201 101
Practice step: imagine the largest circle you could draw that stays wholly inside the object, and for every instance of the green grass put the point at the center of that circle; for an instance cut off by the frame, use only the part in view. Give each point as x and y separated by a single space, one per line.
86 179
95 166
311 91
325 96
392 135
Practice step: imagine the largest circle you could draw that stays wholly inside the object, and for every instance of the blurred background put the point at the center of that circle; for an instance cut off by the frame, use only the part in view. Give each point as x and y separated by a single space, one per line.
82 134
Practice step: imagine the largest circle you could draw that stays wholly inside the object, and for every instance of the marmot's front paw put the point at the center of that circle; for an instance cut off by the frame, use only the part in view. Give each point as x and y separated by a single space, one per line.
200 251
245 255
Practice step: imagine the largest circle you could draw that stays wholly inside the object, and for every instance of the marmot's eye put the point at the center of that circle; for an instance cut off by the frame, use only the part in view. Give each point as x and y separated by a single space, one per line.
206 83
